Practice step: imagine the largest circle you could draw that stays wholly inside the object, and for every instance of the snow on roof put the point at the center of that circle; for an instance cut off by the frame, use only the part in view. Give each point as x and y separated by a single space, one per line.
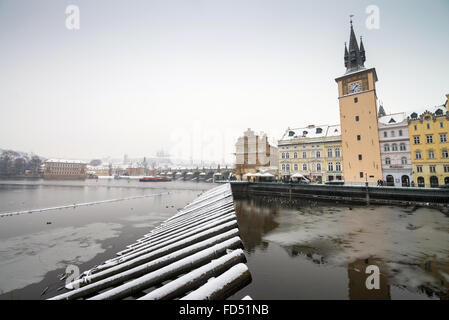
434 110
312 131
65 161
393 118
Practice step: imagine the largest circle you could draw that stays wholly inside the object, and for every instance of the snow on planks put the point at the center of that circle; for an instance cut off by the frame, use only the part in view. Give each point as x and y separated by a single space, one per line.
196 254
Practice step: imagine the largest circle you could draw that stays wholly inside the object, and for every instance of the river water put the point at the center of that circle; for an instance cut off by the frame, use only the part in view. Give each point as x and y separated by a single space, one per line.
321 250
295 250
37 247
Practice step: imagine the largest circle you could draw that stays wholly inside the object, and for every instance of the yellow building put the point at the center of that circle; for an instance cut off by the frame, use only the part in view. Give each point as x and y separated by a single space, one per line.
429 146
358 117
98 170
313 152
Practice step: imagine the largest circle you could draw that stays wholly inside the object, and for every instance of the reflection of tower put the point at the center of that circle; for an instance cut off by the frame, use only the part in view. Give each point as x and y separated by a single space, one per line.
357 281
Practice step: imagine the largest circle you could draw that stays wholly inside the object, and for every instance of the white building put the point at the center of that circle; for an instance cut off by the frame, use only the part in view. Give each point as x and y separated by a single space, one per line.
395 153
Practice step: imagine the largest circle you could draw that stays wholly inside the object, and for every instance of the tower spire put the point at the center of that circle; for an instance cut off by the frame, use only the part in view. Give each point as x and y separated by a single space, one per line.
356 55
346 56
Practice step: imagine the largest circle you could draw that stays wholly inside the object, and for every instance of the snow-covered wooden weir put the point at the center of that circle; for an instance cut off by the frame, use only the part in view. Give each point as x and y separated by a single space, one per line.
196 254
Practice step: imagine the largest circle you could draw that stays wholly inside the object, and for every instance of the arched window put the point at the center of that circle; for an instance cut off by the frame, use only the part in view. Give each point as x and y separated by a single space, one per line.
329 153
418 155
287 167
404 160
304 155
421 182
283 155
394 147
402 147
296 167
295 155
318 166
287 155
283 167
304 166
433 182
386 147
387 161
318 154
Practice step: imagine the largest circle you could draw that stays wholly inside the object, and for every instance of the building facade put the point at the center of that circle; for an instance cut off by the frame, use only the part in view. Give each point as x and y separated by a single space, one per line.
99 170
64 169
395 153
429 146
314 152
358 116
253 152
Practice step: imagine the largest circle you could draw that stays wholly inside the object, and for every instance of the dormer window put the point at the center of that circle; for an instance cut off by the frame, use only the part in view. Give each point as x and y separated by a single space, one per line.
291 133
319 130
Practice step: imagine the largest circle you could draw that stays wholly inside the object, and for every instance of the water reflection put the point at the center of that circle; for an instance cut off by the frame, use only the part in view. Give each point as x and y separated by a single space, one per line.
410 247
254 221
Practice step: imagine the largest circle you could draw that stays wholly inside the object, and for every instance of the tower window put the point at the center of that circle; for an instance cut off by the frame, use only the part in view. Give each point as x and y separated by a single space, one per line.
357 118
356 100
358 137
360 157
361 174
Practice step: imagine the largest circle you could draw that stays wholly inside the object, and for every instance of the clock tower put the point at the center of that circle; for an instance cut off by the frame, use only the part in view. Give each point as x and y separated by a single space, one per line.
358 116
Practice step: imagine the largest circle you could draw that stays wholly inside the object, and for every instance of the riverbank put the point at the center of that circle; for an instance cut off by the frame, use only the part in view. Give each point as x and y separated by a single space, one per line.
425 197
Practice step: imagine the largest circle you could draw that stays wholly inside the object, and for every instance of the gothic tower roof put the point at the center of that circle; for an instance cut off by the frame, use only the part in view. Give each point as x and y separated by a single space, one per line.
355 58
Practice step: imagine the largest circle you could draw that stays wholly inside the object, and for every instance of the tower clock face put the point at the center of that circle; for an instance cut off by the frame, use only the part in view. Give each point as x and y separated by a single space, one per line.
355 87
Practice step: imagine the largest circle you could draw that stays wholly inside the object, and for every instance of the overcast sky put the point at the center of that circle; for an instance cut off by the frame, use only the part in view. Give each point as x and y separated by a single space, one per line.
139 76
